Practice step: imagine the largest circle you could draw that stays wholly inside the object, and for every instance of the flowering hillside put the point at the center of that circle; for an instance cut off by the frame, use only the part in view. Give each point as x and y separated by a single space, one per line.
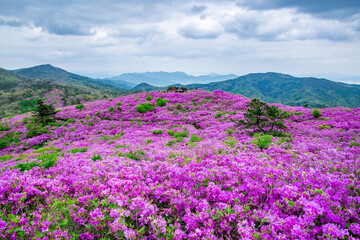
174 166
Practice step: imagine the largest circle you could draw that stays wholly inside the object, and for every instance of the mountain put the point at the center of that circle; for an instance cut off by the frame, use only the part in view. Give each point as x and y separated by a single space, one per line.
147 87
59 75
117 83
163 79
20 89
289 90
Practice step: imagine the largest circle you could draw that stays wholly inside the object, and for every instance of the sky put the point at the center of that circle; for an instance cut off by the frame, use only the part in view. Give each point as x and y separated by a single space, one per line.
110 37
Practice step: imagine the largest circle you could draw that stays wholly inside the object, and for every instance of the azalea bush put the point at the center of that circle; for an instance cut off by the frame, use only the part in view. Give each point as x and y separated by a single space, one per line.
158 175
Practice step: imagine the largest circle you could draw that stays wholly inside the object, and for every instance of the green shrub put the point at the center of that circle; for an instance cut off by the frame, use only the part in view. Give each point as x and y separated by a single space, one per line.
158 132
316 113
144 107
195 138
172 142
80 106
70 120
77 150
91 123
137 155
48 160
96 157
354 144
262 140
36 130
87 117
4 127
218 115
148 98
230 131
119 108
161 102
111 109
148 141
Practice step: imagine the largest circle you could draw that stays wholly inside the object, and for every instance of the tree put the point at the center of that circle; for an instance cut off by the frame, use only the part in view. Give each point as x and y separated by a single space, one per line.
45 114
264 118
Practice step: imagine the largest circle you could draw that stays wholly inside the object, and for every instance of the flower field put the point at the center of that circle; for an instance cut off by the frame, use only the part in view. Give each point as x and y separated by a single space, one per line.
174 166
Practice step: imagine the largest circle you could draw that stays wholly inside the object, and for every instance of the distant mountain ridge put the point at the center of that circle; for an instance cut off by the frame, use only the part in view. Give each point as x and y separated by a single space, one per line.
163 79
47 71
286 89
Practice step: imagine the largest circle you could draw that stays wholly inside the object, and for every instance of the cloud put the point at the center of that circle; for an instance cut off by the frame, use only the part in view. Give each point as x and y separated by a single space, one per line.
198 9
287 25
201 30
321 8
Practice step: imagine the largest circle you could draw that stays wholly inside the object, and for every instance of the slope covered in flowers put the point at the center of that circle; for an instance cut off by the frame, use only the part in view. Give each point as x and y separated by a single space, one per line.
181 171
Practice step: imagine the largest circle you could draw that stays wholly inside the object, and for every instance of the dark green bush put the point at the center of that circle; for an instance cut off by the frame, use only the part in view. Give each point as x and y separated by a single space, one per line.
80 106
111 109
96 157
137 155
218 115
161 102
44 114
36 130
316 113
158 132
144 107
262 140
4 127
148 98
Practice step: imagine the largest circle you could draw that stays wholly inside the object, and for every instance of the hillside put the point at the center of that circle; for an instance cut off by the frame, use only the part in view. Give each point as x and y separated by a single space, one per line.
59 75
182 170
164 79
20 89
289 90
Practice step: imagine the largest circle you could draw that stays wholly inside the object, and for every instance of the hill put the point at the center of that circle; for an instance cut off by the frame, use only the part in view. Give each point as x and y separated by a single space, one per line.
59 75
19 89
289 90
182 170
164 79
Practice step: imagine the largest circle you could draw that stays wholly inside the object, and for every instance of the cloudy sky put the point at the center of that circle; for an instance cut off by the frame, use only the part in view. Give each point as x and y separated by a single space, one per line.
110 37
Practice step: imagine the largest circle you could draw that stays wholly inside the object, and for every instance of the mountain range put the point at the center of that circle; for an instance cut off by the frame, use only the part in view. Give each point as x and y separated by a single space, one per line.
164 79
17 85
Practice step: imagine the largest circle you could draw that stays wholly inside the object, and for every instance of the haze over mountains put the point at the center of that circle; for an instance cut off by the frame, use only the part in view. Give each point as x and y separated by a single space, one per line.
23 83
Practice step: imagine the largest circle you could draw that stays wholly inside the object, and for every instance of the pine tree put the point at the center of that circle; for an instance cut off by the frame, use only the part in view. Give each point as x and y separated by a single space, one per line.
263 118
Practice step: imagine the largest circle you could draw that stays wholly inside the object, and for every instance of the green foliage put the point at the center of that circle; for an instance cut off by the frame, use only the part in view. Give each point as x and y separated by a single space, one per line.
91 123
232 142
158 132
144 107
181 135
8 139
137 155
195 138
36 130
80 106
119 108
48 160
27 105
96 157
78 150
148 98
263 118
262 140
45 114
354 144
218 115
316 113
111 109
4 127
172 142
148 141
161 102
230 131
